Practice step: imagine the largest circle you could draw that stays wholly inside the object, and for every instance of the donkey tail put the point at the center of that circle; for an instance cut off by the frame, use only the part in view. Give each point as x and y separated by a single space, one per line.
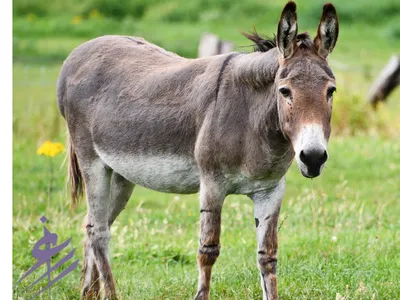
75 178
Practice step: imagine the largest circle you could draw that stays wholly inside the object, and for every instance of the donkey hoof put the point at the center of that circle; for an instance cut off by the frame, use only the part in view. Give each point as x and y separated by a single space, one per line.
202 295
90 294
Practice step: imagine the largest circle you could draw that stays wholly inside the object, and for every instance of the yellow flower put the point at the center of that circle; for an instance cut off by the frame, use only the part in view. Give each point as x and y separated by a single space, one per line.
95 14
76 20
51 149
31 17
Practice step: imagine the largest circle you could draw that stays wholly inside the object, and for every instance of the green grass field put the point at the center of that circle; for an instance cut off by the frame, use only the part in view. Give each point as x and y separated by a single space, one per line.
339 235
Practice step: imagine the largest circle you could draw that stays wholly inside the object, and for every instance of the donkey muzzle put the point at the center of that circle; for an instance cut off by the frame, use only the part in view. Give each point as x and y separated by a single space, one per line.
313 161
310 148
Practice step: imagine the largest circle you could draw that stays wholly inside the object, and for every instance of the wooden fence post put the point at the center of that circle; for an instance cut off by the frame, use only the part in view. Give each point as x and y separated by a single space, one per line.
211 45
386 82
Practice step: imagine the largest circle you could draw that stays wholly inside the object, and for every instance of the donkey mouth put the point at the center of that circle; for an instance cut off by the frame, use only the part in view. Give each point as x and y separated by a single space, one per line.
309 175
311 172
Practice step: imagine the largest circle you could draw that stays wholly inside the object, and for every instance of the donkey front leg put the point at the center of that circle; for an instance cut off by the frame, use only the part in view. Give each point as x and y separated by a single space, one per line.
266 212
97 179
211 200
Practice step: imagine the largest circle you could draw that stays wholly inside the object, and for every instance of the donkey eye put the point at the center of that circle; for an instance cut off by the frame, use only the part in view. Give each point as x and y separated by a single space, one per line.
285 92
330 92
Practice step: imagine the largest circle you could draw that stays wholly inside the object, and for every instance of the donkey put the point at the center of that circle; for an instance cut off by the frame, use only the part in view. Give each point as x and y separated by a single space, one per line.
226 124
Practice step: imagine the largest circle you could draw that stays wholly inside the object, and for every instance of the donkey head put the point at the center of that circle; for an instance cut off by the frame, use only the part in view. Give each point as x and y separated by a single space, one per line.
305 86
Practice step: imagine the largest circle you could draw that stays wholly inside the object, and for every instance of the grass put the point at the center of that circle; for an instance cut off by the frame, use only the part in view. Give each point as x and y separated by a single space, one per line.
338 236
155 239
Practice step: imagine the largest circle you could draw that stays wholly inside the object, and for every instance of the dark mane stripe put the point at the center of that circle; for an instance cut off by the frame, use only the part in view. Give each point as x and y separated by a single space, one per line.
221 71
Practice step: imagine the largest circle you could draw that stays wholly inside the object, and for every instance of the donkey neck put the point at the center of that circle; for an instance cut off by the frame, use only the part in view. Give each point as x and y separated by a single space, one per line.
254 74
256 69
247 104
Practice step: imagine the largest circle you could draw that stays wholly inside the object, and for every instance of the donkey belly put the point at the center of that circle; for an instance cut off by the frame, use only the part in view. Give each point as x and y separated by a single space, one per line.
164 173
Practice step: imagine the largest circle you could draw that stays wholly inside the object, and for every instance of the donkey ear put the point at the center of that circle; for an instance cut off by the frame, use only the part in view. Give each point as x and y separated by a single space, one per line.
328 31
287 30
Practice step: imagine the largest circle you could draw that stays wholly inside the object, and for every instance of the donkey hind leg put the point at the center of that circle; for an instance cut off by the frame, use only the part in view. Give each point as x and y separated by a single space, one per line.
120 192
211 200
97 179
266 212
90 276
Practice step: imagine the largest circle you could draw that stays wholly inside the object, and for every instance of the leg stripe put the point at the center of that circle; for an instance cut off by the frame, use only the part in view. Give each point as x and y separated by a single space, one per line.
208 251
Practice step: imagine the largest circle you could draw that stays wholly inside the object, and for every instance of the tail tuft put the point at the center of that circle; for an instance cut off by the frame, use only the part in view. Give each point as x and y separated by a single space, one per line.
75 177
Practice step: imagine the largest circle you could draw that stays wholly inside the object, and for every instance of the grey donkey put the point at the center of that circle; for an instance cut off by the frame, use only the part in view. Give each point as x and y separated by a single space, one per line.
226 124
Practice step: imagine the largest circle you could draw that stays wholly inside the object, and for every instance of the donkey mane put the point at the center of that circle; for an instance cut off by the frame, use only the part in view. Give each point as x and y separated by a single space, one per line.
305 42
261 44
264 44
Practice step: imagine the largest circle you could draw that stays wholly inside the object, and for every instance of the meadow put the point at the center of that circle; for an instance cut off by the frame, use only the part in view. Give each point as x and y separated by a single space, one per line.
339 234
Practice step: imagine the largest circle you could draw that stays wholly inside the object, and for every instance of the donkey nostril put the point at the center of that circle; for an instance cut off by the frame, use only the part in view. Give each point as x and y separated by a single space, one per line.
324 157
303 156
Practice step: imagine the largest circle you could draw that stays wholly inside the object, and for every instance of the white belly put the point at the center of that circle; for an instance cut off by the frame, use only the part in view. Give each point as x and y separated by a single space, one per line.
163 173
